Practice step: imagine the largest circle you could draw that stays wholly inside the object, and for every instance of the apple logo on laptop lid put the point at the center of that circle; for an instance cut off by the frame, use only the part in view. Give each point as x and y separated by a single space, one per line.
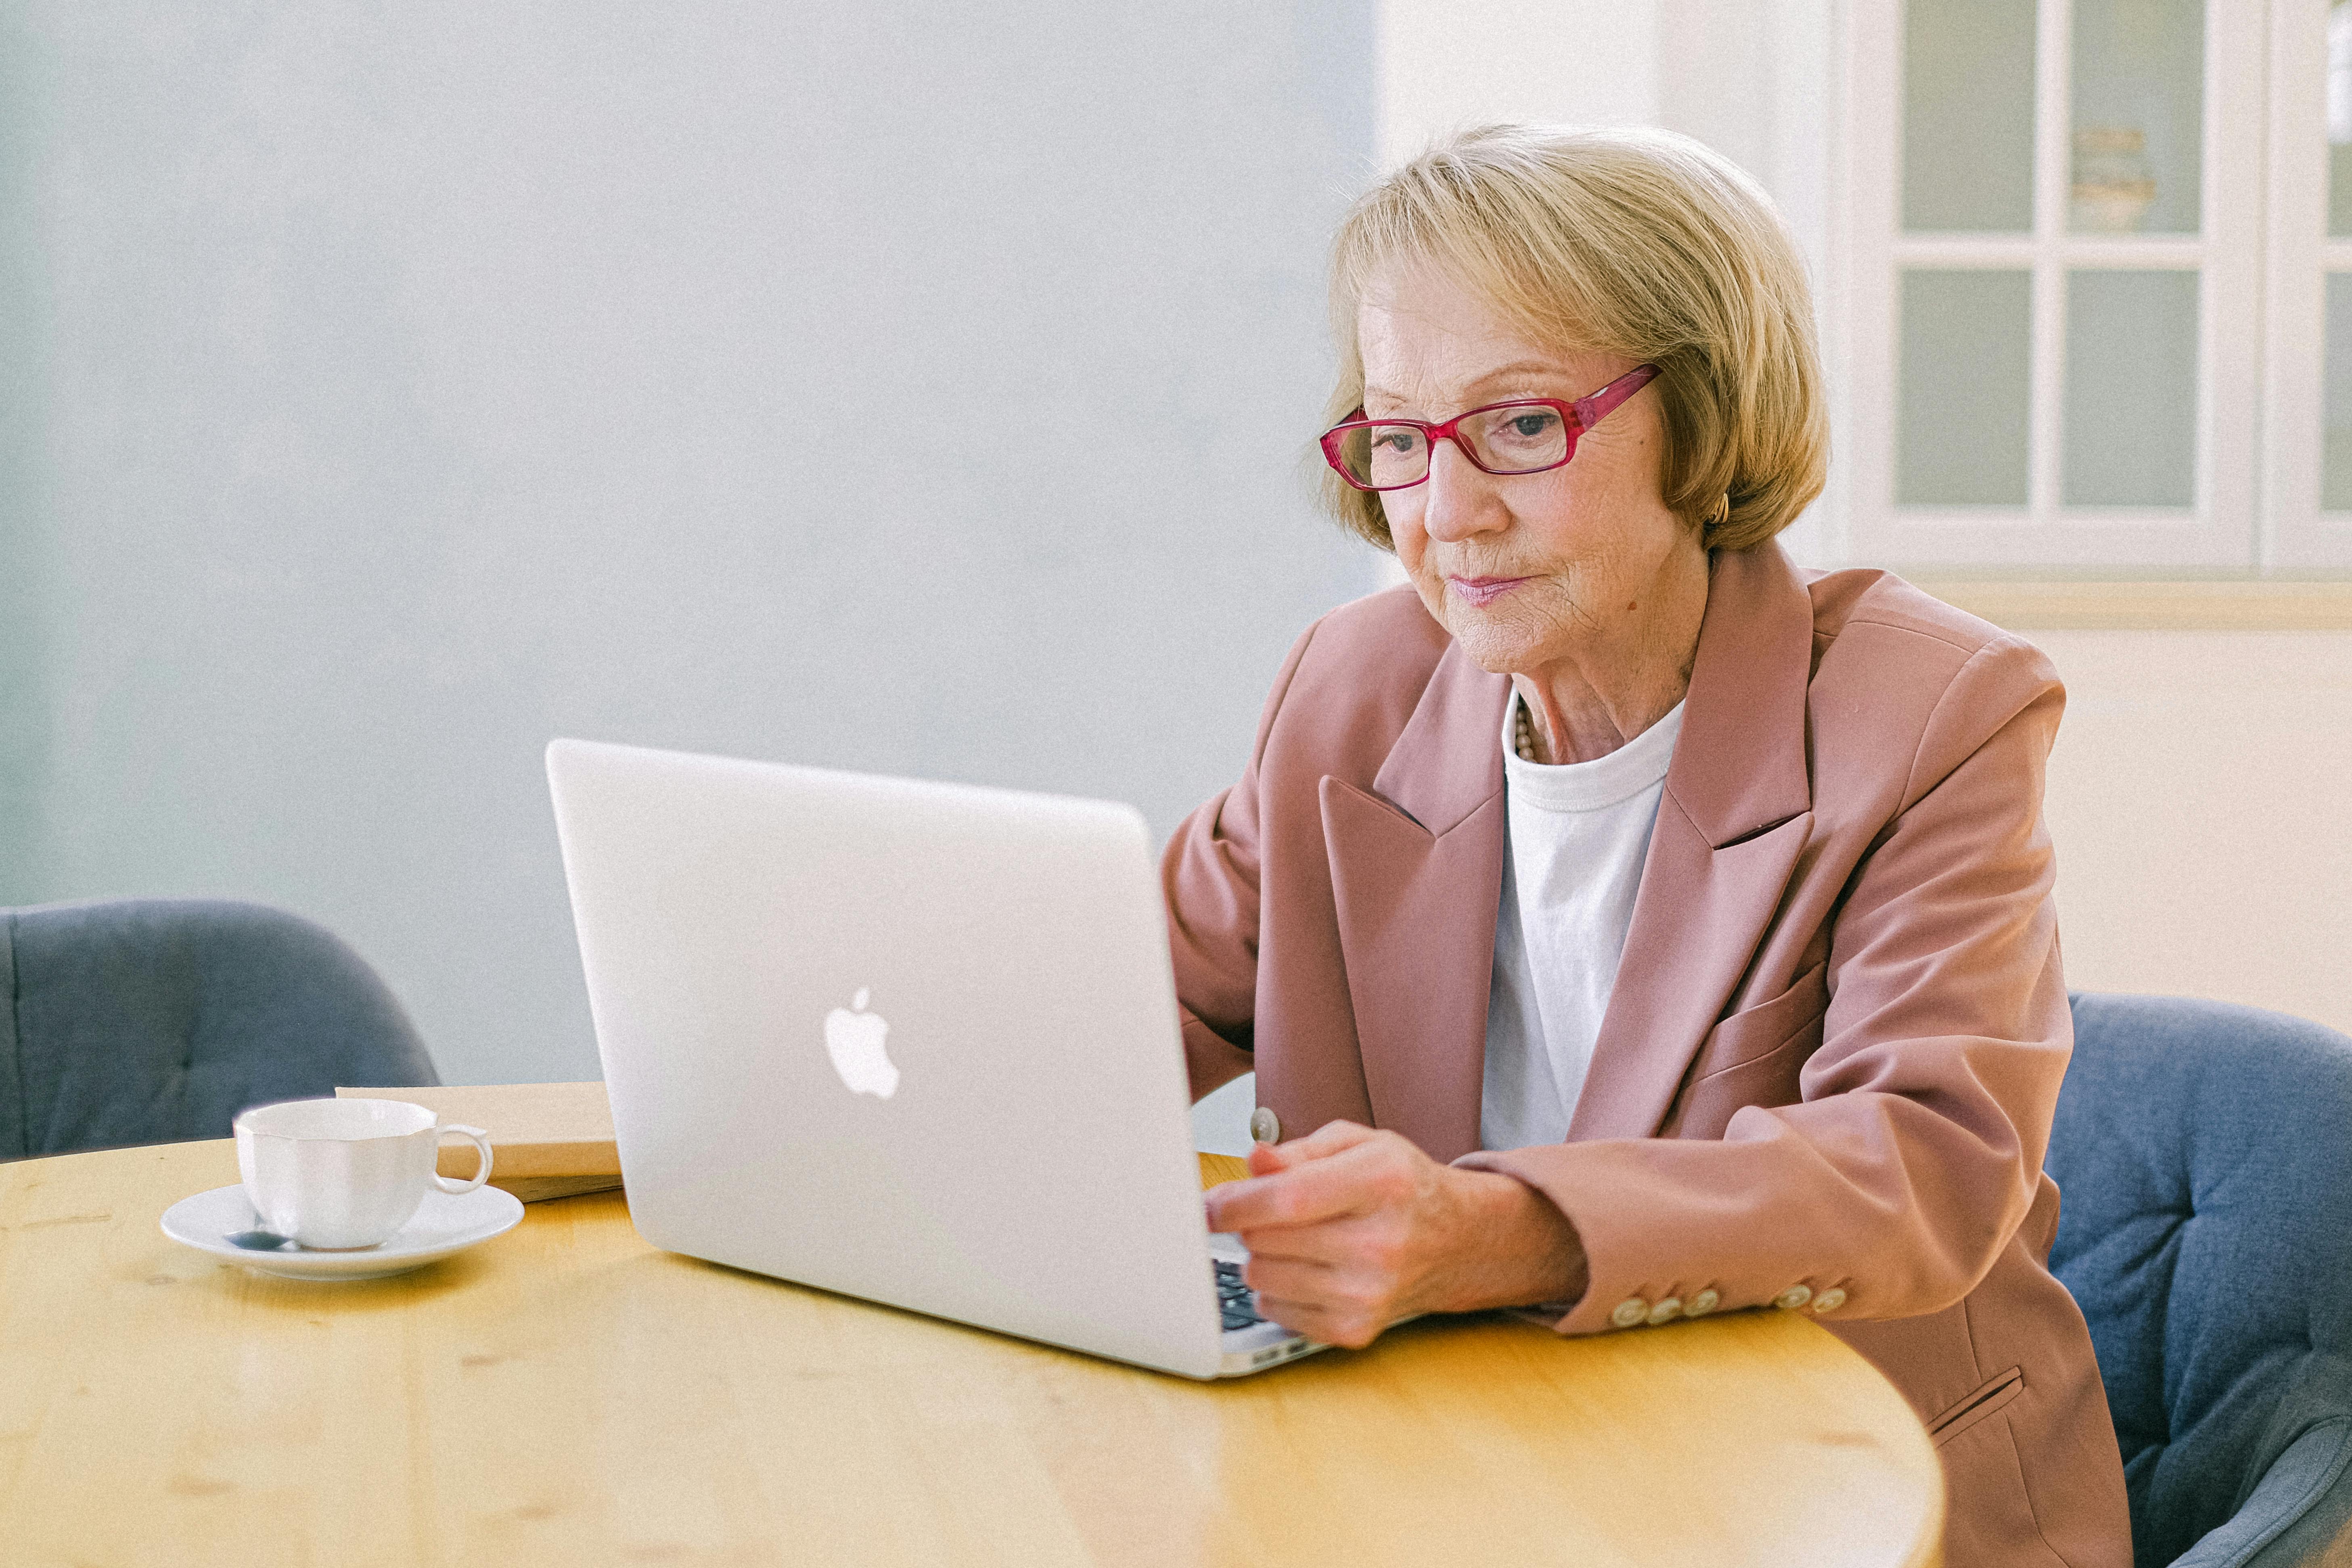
853 1038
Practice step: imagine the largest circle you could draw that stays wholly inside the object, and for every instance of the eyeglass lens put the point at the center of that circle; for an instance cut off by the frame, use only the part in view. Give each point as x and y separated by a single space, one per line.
1502 441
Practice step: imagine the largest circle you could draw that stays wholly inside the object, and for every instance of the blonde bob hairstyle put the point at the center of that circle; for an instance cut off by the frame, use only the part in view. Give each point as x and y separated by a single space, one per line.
1641 243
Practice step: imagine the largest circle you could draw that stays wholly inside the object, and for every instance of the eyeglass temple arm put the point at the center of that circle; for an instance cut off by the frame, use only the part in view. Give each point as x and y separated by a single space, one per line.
1592 410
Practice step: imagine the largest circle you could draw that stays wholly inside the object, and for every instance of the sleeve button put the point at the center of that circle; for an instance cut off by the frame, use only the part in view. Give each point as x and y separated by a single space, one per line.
1266 1127
1666 1311
1631 1312
1700 1305
1828 1300
1794 1297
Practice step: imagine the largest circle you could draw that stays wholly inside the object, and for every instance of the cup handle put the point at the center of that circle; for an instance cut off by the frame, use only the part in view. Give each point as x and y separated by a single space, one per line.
481 1140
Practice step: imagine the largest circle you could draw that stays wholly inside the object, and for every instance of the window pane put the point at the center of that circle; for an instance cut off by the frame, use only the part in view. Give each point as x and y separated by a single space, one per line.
2339 117
2131 389
1961 415
2336 462
1968 114
2139 115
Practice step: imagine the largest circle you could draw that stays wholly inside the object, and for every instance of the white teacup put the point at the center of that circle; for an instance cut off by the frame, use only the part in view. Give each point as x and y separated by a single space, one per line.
340 1174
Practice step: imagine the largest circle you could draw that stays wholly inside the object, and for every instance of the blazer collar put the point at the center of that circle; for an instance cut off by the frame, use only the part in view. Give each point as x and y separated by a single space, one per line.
1739 765
1416 874
1448 761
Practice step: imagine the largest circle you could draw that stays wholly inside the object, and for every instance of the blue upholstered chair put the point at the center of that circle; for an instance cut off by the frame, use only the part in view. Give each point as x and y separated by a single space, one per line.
2204 1155
157 1020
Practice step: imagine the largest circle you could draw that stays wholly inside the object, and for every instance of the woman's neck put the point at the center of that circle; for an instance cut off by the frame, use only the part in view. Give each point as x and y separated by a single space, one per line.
1622 673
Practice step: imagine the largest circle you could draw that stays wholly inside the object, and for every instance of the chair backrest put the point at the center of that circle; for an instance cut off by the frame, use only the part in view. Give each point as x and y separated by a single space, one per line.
157 1020
2206 1229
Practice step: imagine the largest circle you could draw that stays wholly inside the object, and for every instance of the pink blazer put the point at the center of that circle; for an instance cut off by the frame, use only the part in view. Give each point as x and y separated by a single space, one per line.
1826 1074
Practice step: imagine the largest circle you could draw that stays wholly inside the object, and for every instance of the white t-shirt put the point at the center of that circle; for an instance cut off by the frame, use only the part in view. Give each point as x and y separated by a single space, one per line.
1579 833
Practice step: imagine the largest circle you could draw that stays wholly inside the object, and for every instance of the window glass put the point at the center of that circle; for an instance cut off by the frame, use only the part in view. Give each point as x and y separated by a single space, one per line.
2339 117
1962 414
2336 452
2139 116
1968 115
2131 389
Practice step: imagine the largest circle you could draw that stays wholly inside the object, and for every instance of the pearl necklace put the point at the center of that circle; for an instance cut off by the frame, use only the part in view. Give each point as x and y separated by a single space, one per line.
1522 735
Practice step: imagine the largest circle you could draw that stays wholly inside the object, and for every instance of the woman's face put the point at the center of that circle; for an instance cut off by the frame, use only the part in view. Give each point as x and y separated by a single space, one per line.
1525 569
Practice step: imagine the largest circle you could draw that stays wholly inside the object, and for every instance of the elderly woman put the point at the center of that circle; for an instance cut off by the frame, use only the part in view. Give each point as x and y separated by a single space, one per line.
1621 920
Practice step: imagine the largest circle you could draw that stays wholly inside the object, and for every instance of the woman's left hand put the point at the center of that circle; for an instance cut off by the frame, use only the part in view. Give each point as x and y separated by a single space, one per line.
1351 1230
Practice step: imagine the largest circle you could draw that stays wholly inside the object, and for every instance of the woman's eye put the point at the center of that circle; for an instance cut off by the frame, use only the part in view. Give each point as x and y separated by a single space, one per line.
1533 425
1398 438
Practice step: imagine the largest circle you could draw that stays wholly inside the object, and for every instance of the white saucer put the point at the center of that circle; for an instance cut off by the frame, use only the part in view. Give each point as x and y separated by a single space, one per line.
442 1224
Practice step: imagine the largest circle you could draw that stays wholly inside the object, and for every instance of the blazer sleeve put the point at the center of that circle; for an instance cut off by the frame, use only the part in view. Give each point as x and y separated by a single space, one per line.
1916 1148
1209 876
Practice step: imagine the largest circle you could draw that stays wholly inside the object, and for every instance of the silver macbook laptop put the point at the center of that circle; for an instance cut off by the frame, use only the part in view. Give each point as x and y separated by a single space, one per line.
912 1042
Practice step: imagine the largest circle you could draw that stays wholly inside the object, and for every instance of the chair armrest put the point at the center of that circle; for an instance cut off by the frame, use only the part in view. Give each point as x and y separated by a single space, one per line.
2295 1514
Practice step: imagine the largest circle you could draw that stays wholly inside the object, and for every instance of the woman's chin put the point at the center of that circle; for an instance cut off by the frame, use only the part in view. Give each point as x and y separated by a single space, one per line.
1493 644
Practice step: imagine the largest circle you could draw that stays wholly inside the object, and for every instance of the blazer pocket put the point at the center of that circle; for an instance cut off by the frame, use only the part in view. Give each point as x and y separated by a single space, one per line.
1985 1399
1753 1058
1762 1029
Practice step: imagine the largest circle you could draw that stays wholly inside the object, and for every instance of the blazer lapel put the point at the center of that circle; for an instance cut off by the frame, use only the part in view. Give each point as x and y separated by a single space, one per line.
1734 819
1416 878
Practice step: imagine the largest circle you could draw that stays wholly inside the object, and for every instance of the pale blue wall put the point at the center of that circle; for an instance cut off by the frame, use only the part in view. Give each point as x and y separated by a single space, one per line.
909 386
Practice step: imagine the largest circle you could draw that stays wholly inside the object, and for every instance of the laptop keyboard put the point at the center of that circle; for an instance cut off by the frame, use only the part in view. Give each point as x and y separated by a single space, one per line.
1235 1301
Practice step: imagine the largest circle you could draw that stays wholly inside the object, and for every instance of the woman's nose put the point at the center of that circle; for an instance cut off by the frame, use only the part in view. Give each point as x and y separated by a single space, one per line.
1458 502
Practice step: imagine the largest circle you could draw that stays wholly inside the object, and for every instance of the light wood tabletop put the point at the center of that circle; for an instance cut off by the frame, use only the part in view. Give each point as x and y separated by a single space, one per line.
566 1393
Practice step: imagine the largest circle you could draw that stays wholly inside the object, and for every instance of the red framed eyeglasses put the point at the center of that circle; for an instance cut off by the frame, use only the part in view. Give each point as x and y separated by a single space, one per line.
1525 435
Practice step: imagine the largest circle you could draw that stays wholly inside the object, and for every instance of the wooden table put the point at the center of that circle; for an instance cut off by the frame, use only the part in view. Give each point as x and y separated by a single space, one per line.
567 1395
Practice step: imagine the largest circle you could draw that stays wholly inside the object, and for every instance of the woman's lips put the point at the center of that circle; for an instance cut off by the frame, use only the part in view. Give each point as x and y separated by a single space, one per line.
1480 591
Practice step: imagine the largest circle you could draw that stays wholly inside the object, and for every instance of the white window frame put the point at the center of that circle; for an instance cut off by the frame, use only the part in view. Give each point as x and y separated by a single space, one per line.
2217 532
2298 538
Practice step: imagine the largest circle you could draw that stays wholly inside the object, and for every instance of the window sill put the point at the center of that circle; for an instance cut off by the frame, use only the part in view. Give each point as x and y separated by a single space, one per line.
2122 607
